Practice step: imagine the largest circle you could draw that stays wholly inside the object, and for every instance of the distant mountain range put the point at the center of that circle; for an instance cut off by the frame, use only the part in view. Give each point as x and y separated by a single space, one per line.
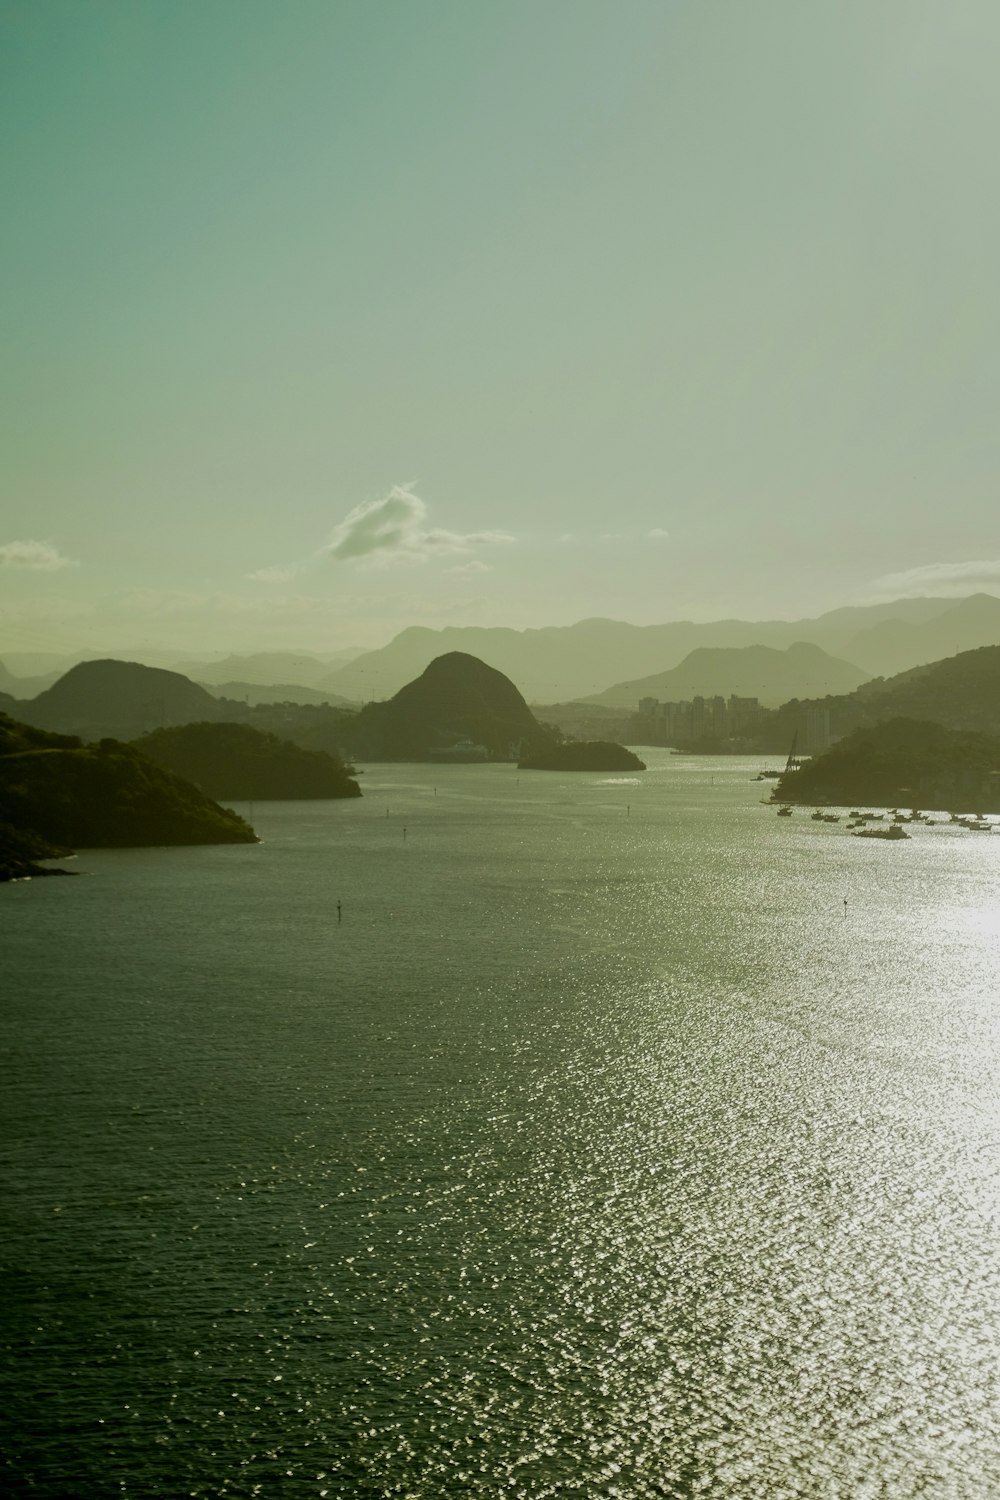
773 676
267 669
599 662
564 662
276 692
456 698
25 674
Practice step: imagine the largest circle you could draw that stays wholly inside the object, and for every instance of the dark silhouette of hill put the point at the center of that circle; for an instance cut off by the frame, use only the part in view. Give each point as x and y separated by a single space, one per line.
961 692
902 763
802 670
236 763
457 698
58 791
118 699
20 851
584 755
563 662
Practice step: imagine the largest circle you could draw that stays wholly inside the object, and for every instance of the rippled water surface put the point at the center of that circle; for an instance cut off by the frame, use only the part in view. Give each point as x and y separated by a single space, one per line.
597 1150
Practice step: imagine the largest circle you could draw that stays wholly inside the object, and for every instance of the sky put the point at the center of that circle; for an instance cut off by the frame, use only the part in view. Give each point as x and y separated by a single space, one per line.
330 317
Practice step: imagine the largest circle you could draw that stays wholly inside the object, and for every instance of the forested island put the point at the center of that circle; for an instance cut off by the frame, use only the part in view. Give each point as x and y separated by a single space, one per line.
235 763
903 763
57 794
583 755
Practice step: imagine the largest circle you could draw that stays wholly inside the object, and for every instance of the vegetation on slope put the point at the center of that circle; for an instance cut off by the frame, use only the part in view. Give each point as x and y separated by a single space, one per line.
239 764
902 763
61 793
959 692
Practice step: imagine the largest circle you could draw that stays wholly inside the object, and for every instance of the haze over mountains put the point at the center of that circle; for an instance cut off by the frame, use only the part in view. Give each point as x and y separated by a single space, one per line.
267 668
801 671
578 661
584 661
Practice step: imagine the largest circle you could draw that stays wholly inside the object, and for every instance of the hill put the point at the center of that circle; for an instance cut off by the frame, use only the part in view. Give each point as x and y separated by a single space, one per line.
20 852
960 692
584 755
118 699
902 763
891 646
576 661
56 791
773 676
457 698
236 763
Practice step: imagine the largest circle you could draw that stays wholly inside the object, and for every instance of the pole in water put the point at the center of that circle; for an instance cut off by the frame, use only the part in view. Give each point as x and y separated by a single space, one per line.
845 906
404 835
628 809
387 812
339 912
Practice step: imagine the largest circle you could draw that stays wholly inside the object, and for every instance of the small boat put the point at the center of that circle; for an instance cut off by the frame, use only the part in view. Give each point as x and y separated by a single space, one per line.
784 812
893 832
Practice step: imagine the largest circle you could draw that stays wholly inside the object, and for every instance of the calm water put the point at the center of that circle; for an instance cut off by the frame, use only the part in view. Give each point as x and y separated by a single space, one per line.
595 1152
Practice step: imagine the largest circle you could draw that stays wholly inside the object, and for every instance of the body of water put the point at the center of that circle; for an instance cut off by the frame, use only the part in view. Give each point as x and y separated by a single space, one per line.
597 1149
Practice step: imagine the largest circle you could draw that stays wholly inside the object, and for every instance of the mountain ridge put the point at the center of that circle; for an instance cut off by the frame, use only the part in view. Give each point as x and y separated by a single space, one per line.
559 663
773 676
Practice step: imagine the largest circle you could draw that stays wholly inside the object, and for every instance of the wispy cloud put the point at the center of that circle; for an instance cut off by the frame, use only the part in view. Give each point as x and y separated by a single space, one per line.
470 569
943 578
274 575
394 528
658 534
42 557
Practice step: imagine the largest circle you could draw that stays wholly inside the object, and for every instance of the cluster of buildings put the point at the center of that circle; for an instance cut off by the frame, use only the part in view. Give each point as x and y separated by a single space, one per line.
720 720
702 719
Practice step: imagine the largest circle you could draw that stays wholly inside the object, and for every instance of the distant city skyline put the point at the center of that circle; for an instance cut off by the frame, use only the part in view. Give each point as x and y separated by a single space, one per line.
327 320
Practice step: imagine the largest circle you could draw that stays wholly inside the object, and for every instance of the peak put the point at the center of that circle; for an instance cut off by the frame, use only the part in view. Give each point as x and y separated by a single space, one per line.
109 666
458 661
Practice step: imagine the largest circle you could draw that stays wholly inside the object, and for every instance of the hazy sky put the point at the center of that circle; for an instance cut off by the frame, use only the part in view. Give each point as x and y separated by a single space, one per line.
326 318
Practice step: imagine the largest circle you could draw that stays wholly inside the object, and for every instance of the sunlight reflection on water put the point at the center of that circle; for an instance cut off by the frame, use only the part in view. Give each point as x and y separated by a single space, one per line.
591 1154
